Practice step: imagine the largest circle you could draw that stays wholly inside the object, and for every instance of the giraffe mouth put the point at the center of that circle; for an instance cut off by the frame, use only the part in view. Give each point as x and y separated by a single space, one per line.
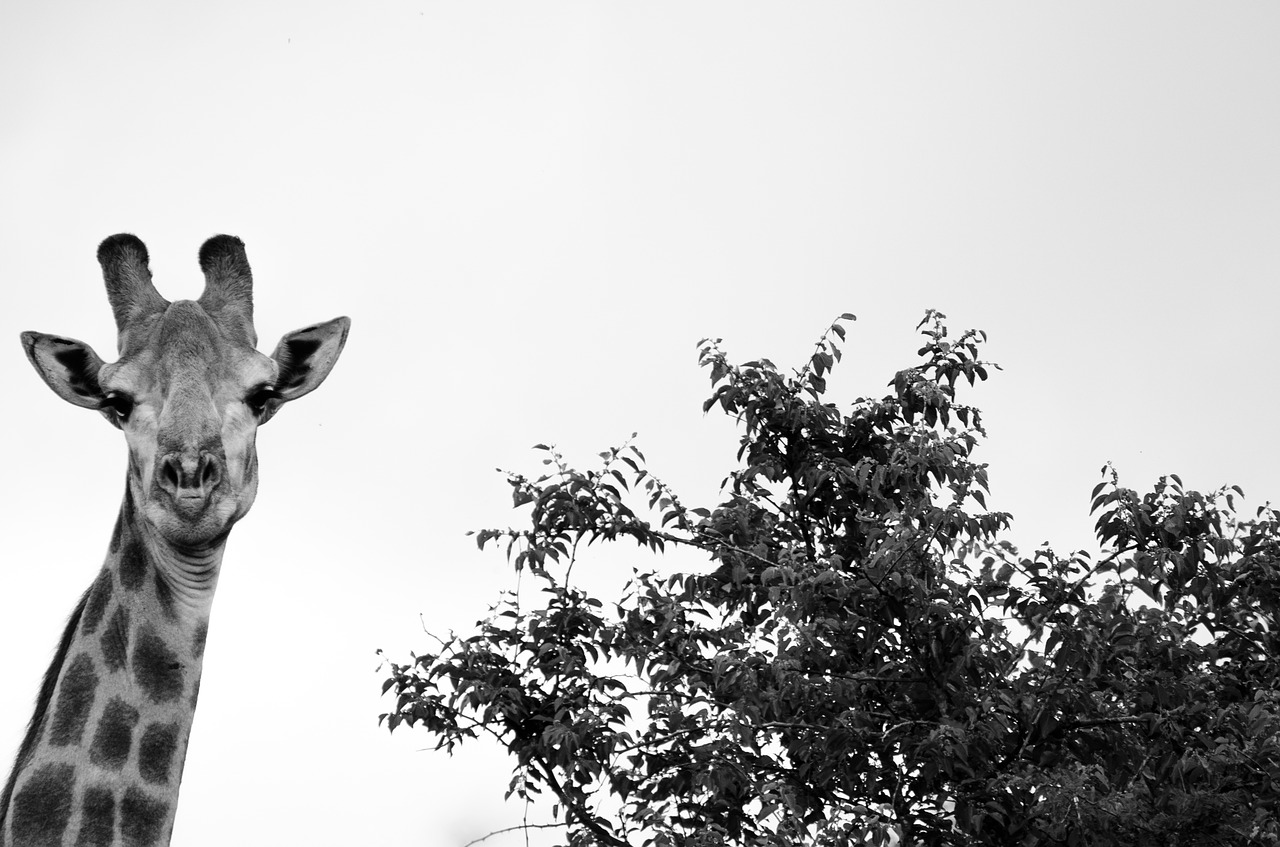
191 506
191 518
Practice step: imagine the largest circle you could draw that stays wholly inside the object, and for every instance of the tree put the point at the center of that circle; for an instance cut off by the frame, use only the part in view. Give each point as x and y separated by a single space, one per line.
865 660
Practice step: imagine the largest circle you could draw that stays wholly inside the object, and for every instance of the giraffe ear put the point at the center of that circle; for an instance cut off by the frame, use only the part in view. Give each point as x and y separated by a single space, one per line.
304 358
68 366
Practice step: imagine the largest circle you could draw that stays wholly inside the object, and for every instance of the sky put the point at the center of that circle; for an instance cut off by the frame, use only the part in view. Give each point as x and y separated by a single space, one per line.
532 212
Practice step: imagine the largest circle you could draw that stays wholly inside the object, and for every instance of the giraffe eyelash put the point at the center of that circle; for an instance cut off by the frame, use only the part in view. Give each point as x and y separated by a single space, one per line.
120 405
258 399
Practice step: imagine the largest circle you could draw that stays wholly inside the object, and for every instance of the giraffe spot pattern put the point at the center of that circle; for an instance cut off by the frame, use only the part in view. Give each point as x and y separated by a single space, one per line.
115 534
75 701
115 640
198 640
42 809
114 737
156 668
142 818
99 597
97 818
165 595
133 563
156 751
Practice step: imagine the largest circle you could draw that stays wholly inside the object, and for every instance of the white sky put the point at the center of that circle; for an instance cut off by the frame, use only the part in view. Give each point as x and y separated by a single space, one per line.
532 212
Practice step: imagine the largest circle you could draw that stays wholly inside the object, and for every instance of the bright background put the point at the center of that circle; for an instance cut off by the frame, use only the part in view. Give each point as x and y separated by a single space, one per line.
532 212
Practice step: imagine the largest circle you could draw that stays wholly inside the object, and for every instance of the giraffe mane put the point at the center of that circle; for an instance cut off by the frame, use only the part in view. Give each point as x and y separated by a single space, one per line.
43 700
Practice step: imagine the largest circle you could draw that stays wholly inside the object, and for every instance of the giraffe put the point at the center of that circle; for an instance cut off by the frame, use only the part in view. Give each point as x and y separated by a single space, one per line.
102 758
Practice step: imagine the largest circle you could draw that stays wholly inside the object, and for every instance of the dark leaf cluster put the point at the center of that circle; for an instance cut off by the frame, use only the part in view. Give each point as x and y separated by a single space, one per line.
864 660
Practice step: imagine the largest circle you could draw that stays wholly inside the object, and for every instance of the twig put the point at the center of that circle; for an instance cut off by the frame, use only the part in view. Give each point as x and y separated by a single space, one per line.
524 826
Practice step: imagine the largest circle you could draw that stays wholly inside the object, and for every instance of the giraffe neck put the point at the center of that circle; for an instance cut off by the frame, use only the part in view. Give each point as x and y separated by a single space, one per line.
102 760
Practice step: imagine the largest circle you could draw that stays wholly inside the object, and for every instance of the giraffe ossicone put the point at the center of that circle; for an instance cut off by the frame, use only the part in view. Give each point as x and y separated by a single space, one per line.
102 758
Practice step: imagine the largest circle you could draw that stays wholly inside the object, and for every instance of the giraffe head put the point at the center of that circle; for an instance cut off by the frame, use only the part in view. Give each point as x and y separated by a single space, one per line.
189 389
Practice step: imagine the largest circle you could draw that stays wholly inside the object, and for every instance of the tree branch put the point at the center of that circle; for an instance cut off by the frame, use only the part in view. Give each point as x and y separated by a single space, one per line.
572 807
515 829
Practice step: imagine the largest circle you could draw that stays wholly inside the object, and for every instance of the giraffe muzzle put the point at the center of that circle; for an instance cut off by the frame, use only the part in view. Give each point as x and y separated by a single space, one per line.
190 480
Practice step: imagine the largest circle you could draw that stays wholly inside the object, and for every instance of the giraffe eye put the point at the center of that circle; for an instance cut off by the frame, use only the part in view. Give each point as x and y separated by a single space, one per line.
119 405
258 399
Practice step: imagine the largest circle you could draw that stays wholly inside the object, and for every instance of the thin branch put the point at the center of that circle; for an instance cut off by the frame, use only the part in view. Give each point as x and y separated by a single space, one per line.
524 826
572 808
1069 725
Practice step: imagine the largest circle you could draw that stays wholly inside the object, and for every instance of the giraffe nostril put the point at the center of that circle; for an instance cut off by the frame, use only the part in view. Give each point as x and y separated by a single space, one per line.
211 472
171 473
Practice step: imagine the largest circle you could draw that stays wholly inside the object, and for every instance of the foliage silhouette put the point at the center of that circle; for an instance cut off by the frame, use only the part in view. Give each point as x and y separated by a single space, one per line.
866 661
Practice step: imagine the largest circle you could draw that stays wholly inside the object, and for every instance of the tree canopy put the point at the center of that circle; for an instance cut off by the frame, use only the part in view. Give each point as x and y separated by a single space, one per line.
865 659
